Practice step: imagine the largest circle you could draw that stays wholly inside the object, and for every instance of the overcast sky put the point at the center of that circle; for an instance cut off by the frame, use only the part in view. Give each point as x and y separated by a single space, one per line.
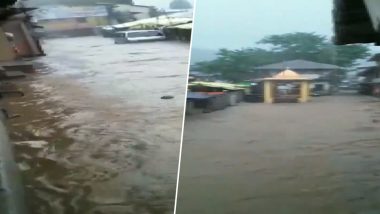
158 3
241 23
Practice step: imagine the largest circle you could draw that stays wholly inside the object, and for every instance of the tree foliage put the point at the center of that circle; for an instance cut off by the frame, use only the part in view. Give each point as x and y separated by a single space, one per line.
236 64
180 4
7 3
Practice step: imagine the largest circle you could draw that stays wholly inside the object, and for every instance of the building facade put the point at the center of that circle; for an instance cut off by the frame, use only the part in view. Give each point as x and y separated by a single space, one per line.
71 21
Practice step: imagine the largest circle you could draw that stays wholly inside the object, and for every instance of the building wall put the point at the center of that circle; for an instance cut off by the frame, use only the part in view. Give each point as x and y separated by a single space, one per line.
23 40
6 51
73 23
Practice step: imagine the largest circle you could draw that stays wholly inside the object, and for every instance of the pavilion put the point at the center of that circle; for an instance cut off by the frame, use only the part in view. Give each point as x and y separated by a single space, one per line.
286 86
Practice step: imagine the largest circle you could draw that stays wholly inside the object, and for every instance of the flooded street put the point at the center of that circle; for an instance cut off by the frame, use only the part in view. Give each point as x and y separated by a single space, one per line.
317 157
113 143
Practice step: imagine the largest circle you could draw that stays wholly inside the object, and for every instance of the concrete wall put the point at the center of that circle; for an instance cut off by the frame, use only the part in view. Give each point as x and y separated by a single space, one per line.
23 39
6 50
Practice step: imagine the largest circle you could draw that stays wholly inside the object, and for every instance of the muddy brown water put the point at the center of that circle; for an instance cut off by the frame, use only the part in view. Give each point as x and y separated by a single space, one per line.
113 143
318 157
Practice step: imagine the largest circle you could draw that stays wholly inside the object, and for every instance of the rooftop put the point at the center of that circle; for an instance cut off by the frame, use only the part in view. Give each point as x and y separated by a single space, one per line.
287 75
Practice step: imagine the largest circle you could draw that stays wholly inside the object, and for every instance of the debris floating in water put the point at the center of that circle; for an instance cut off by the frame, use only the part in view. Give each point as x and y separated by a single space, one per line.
167 97
33 144
23 166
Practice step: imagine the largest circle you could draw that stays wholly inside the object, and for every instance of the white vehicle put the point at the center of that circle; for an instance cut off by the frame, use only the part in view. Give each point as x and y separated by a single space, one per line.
139 36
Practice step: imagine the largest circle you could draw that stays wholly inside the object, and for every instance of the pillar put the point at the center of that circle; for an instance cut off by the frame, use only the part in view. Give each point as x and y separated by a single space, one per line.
305 90
268 92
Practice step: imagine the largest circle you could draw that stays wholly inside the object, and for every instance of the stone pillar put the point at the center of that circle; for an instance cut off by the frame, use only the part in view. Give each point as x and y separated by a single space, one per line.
268 92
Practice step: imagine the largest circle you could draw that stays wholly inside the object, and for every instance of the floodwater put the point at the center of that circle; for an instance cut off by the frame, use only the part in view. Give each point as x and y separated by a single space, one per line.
113 143
318 157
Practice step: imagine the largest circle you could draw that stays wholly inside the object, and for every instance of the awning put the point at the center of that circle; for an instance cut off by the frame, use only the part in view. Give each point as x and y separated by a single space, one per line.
157 21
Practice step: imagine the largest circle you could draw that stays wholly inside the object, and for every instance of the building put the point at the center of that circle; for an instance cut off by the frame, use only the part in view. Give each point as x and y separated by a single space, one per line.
370 77
286 86
369 81
71 21
138 11
324 76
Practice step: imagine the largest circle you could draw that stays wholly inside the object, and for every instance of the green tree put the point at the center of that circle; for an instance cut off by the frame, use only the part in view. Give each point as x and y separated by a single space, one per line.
313 47
238 64
180 4
296 43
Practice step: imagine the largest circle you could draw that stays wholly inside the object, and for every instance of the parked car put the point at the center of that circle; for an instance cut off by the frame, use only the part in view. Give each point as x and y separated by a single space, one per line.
139 36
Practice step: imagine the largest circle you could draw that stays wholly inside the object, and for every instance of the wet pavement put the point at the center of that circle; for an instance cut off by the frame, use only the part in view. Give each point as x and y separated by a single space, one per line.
318 157
113 144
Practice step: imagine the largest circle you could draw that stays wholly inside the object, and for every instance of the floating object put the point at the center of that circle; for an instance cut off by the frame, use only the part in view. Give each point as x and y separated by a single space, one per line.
23 166
33 144
167 97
